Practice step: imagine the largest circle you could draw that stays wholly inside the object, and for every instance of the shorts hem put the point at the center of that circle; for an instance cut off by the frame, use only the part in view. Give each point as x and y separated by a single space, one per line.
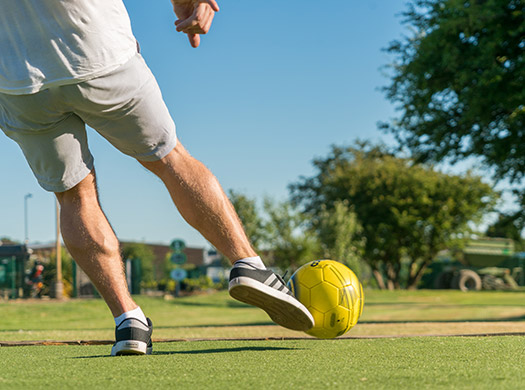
64 186
158 153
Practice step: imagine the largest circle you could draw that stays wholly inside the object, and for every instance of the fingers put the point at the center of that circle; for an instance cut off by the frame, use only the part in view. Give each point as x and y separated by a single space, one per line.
213 4
195 40
199 22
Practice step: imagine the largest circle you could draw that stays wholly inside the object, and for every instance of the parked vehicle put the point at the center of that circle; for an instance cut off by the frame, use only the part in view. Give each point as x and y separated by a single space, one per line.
488 264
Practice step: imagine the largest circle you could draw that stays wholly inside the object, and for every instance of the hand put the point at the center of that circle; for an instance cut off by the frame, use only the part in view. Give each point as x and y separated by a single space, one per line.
195 17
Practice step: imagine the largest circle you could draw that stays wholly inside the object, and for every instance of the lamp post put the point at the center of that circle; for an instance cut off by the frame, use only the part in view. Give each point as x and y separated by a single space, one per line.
26 197
58 290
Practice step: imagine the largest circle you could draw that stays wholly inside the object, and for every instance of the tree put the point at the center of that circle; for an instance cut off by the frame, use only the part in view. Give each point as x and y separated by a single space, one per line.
509 225
8 241
290 240
290 243
146 256
50 272
249 215
459 82
280 232
408 211
339 235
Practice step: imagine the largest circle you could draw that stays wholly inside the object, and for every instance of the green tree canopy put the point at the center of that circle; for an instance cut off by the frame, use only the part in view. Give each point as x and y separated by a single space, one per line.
50 272
279 232
408 212
290 243
509 225
287 237
459 82
340 235
249 215
8 241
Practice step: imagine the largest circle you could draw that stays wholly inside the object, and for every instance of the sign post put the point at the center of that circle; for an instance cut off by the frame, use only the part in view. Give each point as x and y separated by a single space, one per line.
178 275
178 257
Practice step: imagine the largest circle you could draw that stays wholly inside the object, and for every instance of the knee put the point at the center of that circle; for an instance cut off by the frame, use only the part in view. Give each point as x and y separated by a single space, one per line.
85 190
174 161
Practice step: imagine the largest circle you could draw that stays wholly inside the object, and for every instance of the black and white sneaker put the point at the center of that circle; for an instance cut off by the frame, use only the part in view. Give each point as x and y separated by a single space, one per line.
266 290
133 337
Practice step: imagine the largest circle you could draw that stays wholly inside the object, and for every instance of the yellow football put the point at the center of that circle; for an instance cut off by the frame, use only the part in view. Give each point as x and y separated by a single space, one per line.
333 295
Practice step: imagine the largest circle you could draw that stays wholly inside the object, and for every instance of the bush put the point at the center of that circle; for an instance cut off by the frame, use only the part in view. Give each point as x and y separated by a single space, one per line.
202 283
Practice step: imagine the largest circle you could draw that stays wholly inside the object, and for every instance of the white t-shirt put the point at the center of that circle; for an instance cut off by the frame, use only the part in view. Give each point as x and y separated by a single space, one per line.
45 43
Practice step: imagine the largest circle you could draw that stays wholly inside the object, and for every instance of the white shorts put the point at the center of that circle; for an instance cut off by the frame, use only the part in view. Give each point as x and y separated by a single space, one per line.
125 106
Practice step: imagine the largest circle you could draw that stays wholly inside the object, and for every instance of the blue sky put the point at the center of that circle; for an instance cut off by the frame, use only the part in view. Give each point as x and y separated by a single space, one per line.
273 85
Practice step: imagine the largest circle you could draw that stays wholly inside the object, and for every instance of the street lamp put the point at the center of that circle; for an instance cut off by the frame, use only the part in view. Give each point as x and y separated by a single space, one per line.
26 197
58 290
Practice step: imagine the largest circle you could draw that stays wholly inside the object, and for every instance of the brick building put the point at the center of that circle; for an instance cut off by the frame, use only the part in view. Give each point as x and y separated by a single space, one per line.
196 256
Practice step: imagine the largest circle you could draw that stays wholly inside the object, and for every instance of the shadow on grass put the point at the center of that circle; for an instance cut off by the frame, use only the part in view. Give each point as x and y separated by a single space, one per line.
196 352
225 350
247 324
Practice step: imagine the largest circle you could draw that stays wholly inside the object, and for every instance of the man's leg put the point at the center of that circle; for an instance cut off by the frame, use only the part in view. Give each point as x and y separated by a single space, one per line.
91 241
204 205
202 202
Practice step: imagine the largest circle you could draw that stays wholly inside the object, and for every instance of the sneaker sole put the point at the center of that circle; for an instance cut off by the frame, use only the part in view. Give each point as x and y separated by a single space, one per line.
130 347
282 308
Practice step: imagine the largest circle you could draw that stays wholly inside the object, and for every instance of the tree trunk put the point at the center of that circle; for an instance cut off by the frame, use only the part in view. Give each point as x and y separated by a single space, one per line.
391 275
379 279
397 283
415 276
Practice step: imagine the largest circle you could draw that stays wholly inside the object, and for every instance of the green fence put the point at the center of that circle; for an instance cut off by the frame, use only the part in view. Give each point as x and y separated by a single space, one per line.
11 277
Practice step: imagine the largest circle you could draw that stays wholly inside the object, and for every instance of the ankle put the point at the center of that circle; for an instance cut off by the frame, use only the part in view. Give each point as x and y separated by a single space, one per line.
134 313
254 261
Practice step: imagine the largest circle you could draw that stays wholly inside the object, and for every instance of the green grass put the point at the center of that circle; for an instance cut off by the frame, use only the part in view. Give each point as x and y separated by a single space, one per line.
435 363
385 363
90 319
217 315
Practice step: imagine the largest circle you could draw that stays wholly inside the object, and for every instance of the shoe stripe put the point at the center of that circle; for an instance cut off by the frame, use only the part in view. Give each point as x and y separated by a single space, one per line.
260 275
271 278
266 277
273 283
283 308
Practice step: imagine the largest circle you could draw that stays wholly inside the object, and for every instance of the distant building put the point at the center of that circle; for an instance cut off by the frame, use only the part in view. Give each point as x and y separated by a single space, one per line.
200 257
195 256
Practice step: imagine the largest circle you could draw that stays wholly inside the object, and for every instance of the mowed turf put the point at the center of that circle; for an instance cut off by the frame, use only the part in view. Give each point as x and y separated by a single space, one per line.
408 363
218 316
224 360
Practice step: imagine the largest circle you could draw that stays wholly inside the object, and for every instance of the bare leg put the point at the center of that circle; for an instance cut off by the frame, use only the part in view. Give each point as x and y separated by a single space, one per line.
202 202
93 244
